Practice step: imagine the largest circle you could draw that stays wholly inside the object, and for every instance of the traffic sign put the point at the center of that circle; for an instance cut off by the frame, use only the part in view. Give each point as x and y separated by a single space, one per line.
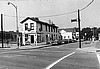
73 20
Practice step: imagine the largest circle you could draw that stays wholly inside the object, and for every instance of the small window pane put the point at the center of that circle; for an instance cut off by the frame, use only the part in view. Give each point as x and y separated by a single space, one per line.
32 26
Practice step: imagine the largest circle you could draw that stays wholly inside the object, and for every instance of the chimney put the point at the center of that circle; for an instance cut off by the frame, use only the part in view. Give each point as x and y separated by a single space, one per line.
36 18
50 22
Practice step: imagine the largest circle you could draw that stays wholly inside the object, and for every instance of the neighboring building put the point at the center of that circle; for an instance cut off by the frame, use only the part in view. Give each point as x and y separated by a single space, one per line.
99 36
36 31
77 35
10 36
68 33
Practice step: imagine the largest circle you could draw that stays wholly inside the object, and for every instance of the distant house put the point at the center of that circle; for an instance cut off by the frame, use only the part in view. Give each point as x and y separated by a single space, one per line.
68 33
99 36
36 31
77 35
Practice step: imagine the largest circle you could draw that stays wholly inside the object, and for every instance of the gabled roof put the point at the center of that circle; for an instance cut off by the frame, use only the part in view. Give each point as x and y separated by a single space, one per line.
38 21
25 20
31 18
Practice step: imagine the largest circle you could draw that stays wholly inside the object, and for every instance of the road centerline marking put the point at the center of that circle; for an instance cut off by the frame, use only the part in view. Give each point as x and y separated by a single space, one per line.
54 63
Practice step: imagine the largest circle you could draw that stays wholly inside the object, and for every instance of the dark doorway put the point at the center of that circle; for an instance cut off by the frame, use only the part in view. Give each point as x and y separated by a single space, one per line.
46 38
32 38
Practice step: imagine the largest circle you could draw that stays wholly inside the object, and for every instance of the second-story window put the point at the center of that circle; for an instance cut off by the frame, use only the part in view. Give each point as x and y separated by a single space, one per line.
41 27
56 30
26 26
32 26
46 27
49 28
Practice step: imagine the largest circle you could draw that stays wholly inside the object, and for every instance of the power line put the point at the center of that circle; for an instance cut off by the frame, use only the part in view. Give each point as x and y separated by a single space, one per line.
14 16
58 14
87 5
68 12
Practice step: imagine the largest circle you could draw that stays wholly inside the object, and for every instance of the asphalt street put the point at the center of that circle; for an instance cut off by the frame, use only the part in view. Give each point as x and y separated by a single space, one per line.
55 57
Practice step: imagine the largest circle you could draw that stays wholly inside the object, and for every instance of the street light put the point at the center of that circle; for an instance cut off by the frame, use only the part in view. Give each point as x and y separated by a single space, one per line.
16 22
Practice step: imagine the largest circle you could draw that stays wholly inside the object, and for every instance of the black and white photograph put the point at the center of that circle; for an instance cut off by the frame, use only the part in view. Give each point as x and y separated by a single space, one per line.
49 34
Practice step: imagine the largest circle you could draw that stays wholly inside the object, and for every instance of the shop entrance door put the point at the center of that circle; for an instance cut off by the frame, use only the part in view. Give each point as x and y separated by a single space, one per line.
46 38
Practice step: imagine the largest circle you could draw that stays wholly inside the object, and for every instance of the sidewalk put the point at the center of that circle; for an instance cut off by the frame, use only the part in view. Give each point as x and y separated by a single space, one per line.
32 46
86 46
98 44
89 47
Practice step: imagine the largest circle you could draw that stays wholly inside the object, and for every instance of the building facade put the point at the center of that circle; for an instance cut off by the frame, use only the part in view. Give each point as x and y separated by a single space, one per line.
10 36
36 31
68 33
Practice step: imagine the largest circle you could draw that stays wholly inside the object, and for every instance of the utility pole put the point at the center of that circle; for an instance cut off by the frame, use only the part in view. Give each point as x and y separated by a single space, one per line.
79 28
2 29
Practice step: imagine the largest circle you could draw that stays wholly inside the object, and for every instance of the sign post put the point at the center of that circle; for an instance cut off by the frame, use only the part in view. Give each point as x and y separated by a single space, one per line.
78 20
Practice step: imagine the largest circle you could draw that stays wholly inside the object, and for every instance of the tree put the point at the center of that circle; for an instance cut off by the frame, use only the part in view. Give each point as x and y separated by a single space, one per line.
87 33
98 31
95 32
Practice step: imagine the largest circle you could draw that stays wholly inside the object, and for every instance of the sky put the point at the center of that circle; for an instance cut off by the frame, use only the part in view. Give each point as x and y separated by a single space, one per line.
90 17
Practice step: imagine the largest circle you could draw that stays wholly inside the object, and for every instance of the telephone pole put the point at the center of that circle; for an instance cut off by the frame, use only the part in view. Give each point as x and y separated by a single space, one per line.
2 29
79 28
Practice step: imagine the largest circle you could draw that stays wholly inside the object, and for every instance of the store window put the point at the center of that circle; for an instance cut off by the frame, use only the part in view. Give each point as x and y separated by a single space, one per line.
26 37
41 27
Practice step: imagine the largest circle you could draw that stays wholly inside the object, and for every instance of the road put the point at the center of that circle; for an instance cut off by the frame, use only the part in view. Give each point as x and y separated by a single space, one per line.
55 57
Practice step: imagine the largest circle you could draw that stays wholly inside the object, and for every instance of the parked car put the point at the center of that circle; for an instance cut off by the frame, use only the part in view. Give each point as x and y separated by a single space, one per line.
74 40
70 41
59 42
56 42
65 41
53 43
27 43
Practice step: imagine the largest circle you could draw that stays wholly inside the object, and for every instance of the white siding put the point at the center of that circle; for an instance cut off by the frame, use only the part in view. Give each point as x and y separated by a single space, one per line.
29 21
66 35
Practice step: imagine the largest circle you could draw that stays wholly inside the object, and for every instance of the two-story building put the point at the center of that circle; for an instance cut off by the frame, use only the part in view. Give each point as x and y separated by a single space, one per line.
36 31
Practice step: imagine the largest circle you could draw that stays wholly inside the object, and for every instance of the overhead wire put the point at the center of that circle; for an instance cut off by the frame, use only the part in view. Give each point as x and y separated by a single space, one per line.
87 5
58 14
14 16
69 12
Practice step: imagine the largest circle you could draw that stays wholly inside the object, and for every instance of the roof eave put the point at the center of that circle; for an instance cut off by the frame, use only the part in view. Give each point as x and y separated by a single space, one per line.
25 19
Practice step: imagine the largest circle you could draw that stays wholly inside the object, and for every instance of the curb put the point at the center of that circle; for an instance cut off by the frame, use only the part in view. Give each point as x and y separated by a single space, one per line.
93 50
26 48
35 47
